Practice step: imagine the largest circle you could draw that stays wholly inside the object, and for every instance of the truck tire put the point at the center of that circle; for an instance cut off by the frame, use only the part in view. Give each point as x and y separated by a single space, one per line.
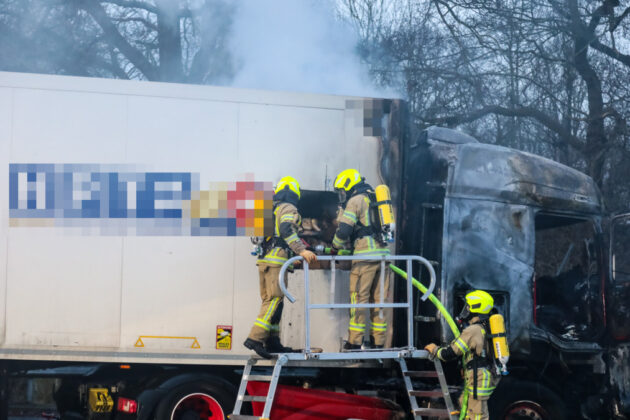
198 400
524 400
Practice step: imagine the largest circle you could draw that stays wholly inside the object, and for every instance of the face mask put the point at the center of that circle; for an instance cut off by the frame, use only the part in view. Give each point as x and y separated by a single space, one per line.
464 314
341 194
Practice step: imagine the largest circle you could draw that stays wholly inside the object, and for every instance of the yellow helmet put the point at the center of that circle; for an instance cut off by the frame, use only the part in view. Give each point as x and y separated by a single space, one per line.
288 181
347 179
479 302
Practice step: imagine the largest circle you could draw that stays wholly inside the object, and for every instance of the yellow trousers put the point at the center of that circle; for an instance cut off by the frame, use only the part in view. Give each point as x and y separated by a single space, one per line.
477 409
365 288
268 321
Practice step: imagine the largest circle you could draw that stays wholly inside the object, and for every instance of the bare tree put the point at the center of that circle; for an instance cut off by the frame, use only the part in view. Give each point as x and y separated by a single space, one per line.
166 40
538 75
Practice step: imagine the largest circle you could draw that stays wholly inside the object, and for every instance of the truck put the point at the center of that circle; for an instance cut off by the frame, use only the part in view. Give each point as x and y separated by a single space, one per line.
127 279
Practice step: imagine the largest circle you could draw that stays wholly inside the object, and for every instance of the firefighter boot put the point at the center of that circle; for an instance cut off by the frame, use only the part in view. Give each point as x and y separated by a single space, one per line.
258 347
273 345
349 346
370 344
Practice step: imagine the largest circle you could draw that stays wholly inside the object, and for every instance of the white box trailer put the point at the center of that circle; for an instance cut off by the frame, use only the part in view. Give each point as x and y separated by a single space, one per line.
110 287
127 210
125 260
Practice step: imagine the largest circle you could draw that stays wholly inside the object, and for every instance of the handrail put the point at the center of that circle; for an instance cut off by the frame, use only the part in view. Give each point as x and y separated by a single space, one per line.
380 258
333 258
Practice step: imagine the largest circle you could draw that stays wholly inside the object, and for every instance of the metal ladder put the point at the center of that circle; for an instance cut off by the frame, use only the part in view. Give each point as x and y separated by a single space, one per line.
444 392
400 354
282 359
271 392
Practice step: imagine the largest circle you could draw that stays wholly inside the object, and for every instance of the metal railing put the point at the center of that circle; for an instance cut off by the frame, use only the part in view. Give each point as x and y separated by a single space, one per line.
380 305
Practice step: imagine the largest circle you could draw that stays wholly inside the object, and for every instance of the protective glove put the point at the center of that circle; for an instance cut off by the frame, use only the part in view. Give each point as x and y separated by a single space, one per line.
431 348
309 256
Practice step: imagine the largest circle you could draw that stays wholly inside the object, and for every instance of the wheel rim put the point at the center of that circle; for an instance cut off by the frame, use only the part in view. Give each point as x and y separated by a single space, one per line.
197 406
526 410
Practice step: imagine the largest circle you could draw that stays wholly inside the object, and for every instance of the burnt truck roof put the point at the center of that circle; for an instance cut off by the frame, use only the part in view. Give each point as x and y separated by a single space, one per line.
491 198
491 172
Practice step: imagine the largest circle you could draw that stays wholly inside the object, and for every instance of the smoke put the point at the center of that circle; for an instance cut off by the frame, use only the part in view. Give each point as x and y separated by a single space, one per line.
297 45
290 45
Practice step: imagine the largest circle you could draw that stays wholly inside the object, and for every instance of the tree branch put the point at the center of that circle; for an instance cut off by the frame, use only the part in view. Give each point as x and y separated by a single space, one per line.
133 5
523 112
144 22
96 10
610 52
618 20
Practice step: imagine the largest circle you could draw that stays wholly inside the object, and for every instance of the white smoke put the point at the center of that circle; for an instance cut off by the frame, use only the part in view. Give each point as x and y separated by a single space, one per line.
297 45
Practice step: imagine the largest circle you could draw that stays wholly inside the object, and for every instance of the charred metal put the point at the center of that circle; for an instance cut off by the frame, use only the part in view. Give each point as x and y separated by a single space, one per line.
533 233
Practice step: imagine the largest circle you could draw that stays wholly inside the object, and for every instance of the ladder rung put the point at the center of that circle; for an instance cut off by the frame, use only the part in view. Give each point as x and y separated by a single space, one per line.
261 378
421 374
242 417
430 394
435 412
255 398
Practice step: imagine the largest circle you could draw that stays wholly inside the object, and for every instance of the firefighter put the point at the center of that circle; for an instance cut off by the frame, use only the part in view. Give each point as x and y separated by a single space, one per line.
479 376
264 337
355 230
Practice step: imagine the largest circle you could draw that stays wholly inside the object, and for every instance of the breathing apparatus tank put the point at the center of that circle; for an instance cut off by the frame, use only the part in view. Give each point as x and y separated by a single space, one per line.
499 341
385 212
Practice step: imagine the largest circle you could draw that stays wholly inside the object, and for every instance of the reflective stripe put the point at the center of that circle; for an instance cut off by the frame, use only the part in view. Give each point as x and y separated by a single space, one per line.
439 353
338 243
269 259
484 392
377 326
262 324
462 345
276 228
273 258
292 238
485 389
286 218
376 251
350 216
272 308
353 297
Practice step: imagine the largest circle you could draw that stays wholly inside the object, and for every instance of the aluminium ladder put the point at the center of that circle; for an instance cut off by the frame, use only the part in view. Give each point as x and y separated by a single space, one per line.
400 355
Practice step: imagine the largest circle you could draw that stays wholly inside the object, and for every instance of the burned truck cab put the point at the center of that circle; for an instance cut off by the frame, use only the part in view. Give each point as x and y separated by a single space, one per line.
529 231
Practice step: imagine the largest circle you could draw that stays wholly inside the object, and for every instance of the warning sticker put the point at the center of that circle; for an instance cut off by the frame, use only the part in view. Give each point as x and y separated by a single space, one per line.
224 337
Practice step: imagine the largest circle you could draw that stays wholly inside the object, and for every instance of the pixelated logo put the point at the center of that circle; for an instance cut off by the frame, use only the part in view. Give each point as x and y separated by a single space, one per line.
224 337
123 200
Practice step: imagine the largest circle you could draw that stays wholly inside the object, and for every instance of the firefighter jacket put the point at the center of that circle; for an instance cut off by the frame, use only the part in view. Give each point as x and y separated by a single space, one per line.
472 344
286 222
352 221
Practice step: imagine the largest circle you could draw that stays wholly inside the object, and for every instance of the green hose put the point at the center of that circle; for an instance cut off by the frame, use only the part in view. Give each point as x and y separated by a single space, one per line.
432 298
449 320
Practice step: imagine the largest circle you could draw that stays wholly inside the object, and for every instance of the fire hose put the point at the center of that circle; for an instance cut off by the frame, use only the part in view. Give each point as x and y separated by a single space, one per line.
447 317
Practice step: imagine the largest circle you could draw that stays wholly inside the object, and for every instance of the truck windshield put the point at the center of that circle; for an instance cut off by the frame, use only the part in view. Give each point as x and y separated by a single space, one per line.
567 277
